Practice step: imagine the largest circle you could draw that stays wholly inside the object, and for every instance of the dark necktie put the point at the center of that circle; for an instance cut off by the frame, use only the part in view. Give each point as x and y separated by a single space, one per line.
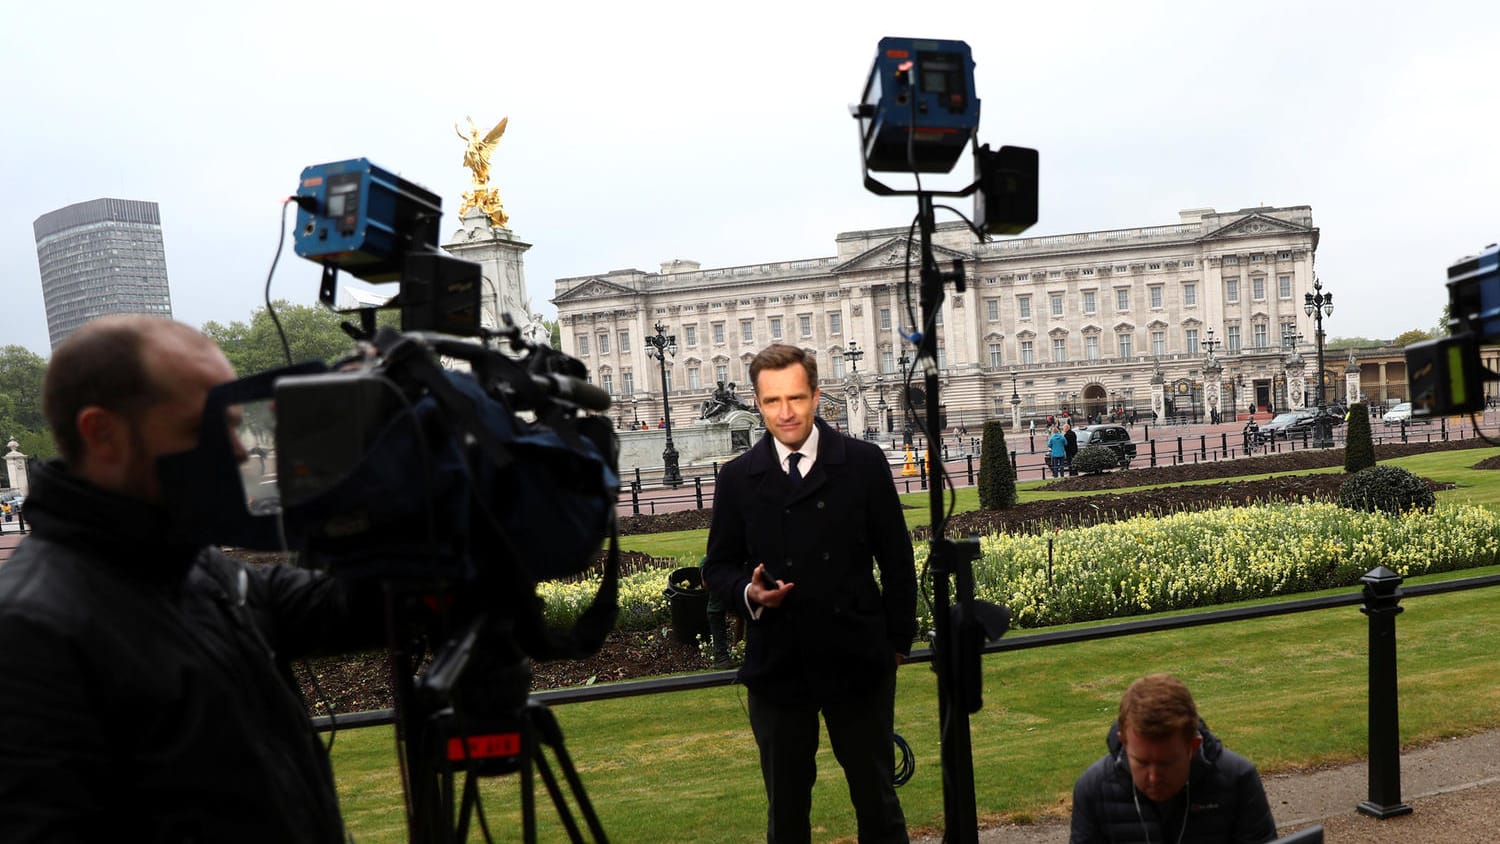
791 467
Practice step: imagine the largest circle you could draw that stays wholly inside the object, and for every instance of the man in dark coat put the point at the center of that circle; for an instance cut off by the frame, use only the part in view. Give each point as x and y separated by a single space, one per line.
1166 778
799 524
144 690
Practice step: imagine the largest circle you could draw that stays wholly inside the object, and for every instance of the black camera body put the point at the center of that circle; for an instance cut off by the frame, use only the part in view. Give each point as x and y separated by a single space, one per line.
1446 375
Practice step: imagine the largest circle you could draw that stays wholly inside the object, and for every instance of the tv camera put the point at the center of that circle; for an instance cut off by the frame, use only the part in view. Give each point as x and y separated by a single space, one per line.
1446 375
919 112
455 492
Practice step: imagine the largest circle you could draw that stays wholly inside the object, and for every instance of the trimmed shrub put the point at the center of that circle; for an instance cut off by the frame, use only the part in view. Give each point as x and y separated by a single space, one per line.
997 481
1359 445
1096 459
1385 489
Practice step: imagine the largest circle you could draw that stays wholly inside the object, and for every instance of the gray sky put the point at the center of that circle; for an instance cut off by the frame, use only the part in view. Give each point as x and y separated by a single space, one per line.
720 132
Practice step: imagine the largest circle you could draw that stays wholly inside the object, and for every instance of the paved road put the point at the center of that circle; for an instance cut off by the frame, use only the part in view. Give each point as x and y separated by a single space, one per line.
1169 444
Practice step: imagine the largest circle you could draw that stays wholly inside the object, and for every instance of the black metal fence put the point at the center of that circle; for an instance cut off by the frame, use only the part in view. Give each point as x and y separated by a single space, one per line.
1379 599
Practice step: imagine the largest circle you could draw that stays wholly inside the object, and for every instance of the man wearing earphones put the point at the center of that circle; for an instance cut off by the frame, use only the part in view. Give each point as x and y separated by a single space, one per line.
1168 779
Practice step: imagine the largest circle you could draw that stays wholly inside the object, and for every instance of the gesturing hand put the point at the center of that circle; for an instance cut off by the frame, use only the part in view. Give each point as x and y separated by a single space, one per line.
765 590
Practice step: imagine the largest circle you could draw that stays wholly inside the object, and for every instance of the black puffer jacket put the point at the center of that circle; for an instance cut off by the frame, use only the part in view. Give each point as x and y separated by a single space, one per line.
144 693
1224 800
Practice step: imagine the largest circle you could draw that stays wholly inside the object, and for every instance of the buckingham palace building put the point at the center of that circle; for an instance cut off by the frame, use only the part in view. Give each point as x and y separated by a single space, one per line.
1205 314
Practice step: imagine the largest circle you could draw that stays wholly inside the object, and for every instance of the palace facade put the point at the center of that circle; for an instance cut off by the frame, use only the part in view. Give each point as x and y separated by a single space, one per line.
1086 321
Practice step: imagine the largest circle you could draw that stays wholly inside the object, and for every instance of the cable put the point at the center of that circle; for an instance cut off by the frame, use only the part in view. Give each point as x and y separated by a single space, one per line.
286 348
908 764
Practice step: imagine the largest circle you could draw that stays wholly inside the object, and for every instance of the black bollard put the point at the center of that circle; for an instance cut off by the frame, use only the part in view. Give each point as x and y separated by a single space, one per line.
1202 447
1015 471
1223 444
971 468
922 471
1382 605
635 496
1403 430
1152 443
1179 449
698 490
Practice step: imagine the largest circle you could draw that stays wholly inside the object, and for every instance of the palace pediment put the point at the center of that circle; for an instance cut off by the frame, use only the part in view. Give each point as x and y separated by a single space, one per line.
893 253
594 288
1256 225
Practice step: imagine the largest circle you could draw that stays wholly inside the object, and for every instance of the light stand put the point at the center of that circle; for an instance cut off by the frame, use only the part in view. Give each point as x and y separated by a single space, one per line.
659 346
1316 305
918 113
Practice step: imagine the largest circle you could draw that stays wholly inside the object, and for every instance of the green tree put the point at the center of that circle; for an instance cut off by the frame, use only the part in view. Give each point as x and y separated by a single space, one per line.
997 483
21 372
312 333
21 416
554 330
1352 343
1359 444
1415 335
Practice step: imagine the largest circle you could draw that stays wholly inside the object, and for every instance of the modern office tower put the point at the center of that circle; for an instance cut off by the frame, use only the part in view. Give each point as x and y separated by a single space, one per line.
101 257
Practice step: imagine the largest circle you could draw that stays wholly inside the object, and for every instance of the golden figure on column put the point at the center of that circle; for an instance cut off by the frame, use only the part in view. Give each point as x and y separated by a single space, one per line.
477 159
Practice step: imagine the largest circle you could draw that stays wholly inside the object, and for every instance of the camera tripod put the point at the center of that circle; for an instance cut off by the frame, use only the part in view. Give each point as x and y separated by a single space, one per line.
471 711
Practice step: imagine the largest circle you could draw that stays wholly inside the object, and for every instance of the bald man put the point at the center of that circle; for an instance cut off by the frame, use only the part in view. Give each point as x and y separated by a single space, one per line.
144 686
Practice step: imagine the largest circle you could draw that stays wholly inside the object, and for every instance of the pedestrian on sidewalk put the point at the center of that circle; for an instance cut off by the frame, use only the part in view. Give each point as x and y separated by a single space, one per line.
1057 451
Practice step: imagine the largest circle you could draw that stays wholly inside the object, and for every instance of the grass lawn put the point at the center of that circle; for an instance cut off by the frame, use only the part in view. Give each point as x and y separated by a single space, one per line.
1289 692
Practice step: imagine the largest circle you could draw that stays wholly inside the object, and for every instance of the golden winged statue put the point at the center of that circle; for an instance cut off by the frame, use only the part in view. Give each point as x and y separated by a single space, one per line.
477 159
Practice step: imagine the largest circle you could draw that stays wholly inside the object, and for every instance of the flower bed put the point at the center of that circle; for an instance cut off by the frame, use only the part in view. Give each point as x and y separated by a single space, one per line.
1150 564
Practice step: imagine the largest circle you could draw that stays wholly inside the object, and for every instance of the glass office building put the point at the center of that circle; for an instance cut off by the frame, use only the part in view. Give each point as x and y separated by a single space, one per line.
101 257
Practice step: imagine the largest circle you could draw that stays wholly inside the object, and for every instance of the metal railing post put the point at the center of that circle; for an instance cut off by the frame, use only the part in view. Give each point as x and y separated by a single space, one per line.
698 490
1382 605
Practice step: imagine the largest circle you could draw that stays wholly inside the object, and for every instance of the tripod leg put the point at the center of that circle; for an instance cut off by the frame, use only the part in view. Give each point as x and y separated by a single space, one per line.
550 733
564 814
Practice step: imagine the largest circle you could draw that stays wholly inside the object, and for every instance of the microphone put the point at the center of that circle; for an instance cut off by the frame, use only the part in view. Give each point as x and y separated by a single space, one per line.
573 390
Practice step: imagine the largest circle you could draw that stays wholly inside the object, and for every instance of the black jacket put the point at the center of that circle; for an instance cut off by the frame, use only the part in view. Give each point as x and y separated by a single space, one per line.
144 693
836 634
1228 803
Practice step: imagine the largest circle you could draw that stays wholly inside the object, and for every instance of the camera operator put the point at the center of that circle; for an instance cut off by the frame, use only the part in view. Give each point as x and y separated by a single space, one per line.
144 686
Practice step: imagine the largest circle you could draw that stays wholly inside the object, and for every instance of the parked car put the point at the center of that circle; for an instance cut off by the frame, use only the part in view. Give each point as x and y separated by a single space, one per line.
1397 414
1288 425
1114 437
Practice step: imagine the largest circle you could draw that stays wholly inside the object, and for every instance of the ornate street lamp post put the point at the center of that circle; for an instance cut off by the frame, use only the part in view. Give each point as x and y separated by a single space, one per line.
660 346
1213 380
1318 305
854 354
855 410
904 362
1015 403
635 411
